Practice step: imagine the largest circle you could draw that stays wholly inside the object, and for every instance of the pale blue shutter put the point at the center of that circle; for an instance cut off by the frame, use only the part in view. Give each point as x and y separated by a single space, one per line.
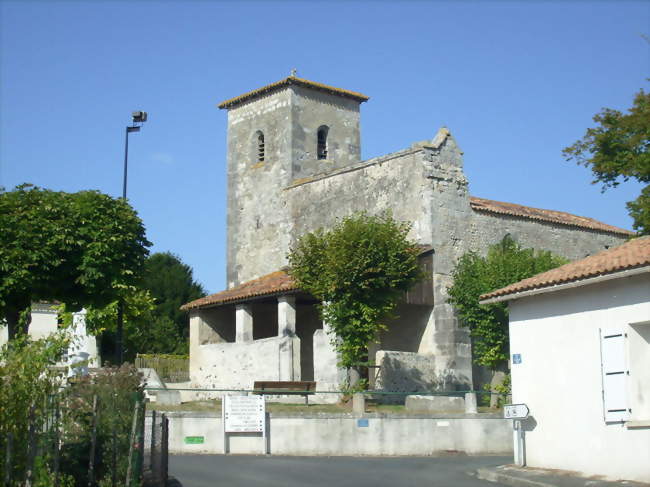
614 370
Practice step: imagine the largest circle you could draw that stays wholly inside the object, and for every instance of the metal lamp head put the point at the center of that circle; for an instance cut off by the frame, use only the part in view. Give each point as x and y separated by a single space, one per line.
139 116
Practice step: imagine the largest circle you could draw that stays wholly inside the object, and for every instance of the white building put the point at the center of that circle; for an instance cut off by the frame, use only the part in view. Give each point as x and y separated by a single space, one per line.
45 322
580 352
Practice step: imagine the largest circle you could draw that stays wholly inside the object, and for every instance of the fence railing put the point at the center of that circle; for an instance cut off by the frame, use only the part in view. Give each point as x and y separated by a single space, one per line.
85 439
170 368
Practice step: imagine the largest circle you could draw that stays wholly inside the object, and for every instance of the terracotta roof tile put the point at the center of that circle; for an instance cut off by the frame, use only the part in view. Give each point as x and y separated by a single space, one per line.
292 80
630 255
552 216
276 282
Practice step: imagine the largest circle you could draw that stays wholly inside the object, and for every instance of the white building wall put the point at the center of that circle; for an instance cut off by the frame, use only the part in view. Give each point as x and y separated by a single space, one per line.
559 378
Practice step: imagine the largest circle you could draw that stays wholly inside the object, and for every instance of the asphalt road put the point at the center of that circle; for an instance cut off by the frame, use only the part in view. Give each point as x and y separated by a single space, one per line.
272 471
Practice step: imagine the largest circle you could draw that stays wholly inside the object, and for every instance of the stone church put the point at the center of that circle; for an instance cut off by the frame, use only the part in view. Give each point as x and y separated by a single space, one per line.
294 166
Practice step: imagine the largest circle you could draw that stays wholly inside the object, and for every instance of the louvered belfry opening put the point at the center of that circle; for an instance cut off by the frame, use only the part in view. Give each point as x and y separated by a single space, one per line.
321 149
260 147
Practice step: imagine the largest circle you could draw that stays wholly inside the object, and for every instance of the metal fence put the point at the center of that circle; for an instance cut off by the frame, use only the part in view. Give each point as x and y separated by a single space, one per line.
156 453
80 440
170 368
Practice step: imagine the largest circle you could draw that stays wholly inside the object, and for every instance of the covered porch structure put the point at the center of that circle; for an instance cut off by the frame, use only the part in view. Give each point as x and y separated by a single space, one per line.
263 330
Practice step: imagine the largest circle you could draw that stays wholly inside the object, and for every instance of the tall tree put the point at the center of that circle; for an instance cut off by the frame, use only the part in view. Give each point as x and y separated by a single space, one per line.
78 248
619 149
359 270
171 284
505 263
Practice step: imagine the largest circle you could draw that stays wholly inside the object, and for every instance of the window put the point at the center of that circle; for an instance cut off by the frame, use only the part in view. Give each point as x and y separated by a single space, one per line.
321 148
614 372
625 364
259 139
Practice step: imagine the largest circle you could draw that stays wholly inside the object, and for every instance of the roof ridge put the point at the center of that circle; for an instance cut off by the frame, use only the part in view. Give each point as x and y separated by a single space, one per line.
292 80
630 255
553 216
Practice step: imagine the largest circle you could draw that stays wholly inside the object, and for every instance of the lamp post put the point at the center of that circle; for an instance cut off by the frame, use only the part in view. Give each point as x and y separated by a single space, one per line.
138 117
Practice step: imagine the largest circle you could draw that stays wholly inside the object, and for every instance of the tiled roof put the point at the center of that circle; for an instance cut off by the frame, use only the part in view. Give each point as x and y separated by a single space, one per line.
630 255
292 80
268 285
552 216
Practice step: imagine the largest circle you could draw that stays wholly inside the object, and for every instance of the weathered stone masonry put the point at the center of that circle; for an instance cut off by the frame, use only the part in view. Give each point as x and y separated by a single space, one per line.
271 203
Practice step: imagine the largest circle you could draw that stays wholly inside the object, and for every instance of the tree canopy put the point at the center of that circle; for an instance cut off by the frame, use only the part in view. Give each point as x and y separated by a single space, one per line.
77 248
153 322
359 270
171 284
619 149
506 263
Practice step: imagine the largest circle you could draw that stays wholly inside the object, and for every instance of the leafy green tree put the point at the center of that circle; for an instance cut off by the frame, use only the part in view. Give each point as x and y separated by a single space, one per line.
506 263
619 148
27 381
76 248
171 284
144 332
359 270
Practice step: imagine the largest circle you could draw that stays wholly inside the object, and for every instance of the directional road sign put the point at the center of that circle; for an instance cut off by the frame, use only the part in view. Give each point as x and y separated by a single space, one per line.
515 411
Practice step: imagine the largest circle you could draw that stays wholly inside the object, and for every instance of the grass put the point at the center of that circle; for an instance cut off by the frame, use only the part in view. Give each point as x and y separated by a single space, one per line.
278 407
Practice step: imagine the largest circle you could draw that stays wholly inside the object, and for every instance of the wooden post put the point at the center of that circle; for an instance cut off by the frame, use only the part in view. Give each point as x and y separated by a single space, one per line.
10 444
57 451
152 450
93 444
31 448
164 450
134 429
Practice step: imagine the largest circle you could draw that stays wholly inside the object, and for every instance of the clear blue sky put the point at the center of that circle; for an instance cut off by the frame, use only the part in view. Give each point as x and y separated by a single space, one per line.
515 82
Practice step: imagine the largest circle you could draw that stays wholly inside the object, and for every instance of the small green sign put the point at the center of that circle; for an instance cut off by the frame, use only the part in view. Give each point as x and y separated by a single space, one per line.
194 440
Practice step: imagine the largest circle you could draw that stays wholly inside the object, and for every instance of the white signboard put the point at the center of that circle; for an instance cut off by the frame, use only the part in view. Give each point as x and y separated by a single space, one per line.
244 414
515 411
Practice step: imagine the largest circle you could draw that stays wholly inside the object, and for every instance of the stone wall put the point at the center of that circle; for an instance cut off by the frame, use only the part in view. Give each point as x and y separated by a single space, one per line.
343 434
238 365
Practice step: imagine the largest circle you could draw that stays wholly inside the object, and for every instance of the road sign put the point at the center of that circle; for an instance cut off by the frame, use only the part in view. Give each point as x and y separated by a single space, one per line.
244 414
515 411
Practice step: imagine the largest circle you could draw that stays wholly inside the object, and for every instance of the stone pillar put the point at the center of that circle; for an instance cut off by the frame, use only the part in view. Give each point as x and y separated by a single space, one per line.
243 323
286 316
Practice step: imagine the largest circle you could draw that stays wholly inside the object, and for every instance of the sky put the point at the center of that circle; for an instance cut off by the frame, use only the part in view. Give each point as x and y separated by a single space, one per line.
515 83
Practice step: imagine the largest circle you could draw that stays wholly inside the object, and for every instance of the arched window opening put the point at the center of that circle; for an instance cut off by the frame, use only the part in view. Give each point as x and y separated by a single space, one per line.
260 147
321 149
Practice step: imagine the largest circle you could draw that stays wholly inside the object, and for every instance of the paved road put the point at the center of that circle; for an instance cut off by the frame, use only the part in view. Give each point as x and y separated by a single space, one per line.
277 471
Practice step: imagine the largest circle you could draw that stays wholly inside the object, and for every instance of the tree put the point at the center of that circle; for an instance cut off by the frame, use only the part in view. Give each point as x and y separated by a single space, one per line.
171 284
506 263
359 270
619 148
78 248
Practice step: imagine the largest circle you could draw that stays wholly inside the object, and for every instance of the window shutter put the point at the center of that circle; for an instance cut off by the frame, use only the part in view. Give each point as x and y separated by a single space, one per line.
614 370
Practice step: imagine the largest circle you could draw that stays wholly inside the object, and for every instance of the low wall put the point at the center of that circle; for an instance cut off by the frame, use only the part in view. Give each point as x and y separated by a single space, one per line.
238 365
345 434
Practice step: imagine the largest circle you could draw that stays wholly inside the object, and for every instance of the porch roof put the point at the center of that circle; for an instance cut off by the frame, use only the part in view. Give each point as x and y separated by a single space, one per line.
278 282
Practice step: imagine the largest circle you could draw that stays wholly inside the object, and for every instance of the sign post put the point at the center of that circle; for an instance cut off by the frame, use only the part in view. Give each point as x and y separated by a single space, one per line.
243 414
517 412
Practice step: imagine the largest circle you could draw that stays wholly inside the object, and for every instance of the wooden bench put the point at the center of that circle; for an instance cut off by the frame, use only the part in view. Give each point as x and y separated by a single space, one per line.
281 388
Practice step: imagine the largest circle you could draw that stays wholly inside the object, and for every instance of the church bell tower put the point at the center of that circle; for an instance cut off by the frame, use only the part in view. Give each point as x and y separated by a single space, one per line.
279 135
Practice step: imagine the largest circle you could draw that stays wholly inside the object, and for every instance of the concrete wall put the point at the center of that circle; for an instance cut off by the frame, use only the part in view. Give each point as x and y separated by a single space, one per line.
337 435
411 373
45 322
559 378
238 365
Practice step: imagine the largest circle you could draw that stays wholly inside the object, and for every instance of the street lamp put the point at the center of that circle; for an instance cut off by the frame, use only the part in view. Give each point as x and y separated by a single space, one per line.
138 117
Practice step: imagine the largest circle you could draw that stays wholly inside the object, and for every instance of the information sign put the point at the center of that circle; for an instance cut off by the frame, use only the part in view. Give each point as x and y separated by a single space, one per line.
515 411
244 414
194 440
